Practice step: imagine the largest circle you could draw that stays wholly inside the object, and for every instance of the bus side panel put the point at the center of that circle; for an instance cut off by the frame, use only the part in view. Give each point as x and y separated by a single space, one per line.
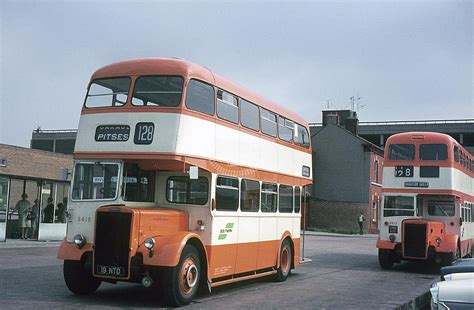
247 249
268 243
223 247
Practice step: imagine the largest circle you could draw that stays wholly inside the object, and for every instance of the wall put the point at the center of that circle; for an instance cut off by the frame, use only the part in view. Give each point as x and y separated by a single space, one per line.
338 215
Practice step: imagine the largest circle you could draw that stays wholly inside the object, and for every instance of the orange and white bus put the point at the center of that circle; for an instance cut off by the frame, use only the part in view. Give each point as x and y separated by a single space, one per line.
185 178
427 197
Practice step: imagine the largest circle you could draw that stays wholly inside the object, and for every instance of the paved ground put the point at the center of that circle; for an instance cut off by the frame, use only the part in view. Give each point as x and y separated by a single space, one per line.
344 274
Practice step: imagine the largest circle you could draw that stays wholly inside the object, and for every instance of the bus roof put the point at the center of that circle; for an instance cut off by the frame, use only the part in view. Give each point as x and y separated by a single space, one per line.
174 66
422 136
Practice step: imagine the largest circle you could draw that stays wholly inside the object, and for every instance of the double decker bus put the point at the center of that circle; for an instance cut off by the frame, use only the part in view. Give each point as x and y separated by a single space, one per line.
427 197
184 178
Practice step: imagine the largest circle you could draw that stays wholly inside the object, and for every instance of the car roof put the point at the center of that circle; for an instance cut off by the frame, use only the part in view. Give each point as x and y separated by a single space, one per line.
461 291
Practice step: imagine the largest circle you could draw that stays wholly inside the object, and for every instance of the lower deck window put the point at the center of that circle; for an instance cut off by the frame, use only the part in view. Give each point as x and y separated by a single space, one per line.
399 206
441 208
250 196
180 189
227 194
269 197
286 199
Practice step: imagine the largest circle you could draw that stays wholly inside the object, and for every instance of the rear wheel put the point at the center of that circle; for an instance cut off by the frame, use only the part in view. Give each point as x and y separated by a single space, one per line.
286 257
181 283
385 259
77 279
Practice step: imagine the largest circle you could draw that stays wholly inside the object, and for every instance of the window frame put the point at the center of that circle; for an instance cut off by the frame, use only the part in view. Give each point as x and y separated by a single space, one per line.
285 125
268 193
155 105
188 189
307 133
242 192
108 78
406 144
228 187
295 199
213 96
268 120
227 103
241 118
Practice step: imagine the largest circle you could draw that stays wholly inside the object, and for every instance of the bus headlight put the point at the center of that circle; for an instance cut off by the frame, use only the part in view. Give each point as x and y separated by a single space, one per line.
79 240
438 240
149 243
392 238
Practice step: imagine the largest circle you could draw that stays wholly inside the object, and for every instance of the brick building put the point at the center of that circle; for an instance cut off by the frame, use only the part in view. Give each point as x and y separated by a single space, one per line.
40 175
347 175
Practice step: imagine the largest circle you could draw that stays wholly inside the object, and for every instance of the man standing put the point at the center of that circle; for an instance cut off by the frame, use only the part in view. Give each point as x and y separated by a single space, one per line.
361 220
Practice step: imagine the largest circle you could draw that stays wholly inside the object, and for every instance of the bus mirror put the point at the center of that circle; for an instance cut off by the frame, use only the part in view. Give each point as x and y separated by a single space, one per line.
213 204
193 172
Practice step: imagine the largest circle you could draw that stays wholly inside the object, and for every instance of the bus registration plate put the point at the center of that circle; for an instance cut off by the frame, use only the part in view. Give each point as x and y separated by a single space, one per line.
110 271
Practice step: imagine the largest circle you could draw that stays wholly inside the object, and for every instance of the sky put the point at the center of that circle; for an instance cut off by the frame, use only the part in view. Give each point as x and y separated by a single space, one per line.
407 60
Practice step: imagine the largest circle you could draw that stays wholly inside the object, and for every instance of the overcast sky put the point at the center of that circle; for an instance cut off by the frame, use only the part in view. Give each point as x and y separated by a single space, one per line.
407 60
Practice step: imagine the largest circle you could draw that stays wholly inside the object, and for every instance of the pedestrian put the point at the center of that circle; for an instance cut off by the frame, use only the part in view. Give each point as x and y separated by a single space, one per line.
23 207
49 211
361 220
35 212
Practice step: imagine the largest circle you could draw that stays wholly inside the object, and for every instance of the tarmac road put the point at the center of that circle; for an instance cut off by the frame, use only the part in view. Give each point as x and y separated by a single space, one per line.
344 274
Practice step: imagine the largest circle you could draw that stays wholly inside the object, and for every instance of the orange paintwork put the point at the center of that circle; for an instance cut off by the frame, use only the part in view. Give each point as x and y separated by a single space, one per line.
267 254
246 259
383 244
70 251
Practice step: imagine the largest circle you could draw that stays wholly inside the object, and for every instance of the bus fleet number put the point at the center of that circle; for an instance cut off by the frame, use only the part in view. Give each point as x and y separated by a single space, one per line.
404 171
144 133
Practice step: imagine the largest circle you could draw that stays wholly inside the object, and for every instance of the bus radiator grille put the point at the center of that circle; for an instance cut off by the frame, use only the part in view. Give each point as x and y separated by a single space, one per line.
112 244
414 240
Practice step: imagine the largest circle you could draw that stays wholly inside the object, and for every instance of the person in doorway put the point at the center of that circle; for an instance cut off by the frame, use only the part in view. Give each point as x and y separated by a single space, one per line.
23 207
61 212
49 211
361 220
35 212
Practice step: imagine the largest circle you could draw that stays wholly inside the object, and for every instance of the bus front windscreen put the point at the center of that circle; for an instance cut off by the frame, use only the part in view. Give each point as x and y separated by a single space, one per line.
95 181
399 206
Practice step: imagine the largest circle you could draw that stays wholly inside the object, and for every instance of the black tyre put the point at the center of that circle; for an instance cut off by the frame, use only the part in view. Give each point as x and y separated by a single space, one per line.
385 259
181 283
78 280
286 257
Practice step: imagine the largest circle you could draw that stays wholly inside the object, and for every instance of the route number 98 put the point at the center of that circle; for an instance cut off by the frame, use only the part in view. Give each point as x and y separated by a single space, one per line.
144 133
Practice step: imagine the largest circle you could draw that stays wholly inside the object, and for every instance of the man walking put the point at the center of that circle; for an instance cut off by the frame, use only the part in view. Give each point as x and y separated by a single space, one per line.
361 220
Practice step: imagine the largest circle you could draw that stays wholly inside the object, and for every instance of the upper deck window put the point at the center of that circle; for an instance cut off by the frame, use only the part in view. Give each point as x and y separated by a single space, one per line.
110 92
401 152
158 91
269 122
200 97
249 115
285 129
227 106
301 135
433 151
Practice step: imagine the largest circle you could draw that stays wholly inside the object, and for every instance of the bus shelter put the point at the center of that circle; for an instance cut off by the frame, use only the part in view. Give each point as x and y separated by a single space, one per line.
34 189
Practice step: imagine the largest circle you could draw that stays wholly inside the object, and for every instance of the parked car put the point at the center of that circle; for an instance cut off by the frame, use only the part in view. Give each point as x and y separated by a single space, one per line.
459 266
453 294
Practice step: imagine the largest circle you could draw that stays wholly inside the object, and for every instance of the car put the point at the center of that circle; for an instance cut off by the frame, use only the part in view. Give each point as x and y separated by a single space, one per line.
453 294
460 265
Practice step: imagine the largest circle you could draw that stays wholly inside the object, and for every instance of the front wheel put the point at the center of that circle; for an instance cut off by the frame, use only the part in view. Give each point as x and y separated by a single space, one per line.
385 259
78 280
285 262
181 283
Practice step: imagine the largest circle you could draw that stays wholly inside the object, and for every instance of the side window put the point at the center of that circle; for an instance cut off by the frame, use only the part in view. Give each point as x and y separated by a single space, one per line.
301 135
227 106
180 189
285 129
269 197
269 122
227 194
200 97
376 171
139 185
249 196
285 196
249 115
456 154
297 199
